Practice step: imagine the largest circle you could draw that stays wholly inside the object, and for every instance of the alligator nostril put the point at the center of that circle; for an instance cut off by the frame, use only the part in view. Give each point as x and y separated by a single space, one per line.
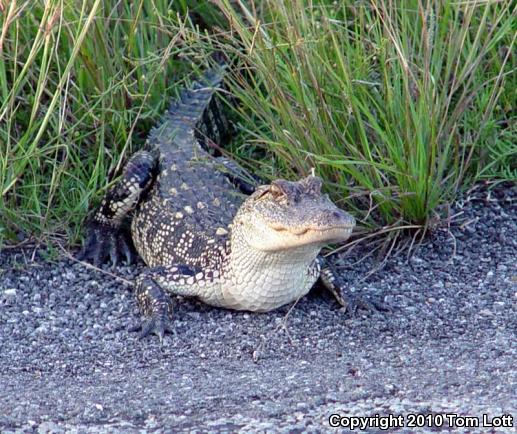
337 214
341 216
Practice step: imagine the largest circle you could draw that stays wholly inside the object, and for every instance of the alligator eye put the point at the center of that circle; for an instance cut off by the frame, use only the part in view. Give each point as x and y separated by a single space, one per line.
261 192
276 191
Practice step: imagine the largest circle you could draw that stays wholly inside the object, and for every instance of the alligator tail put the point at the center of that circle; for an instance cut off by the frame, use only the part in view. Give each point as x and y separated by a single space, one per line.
193 103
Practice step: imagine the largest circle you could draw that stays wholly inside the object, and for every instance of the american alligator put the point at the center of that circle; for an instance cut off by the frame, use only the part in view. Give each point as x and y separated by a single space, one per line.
200 231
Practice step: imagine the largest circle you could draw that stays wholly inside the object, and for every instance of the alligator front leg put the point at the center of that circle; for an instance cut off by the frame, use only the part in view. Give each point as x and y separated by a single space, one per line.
106 235
153 287
346 298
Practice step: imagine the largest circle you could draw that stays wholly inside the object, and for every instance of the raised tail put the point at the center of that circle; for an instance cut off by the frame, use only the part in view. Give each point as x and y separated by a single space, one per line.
193 102
196 110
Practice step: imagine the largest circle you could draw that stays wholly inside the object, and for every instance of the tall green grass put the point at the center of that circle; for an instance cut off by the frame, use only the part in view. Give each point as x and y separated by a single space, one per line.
80 83
395 103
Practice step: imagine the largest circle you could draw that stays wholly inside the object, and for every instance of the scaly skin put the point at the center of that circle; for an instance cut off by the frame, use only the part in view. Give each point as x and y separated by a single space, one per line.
201 235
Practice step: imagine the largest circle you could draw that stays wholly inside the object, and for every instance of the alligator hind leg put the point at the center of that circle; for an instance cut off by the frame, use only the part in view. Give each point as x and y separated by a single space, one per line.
106 235
246 182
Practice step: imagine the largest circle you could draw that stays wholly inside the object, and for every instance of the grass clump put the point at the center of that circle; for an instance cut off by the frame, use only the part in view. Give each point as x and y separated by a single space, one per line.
79 84
393 103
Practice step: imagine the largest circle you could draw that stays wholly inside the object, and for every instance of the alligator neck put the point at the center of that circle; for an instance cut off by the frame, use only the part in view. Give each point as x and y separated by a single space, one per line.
261 281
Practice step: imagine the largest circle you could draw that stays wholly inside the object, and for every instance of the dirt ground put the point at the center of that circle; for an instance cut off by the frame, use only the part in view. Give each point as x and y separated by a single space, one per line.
68 363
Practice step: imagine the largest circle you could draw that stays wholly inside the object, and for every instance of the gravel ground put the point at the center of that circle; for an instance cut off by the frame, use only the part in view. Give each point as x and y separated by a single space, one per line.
68 363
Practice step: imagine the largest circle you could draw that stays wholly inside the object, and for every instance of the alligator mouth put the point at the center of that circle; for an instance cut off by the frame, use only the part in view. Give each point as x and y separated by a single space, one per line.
312 230
322 231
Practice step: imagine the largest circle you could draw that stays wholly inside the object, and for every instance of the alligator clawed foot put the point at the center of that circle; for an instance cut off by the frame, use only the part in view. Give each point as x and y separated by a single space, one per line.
103 242
352 303
156 324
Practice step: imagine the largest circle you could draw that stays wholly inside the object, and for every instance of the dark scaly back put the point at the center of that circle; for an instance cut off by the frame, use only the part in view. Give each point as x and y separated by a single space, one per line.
193 195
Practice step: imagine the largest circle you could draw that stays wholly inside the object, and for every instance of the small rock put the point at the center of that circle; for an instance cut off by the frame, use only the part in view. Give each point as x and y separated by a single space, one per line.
499 305
486 312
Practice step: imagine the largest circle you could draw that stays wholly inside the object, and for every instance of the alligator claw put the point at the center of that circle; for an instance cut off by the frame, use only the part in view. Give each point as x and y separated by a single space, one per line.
352 303
113 251
346 298
103 242
125 247
157 324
